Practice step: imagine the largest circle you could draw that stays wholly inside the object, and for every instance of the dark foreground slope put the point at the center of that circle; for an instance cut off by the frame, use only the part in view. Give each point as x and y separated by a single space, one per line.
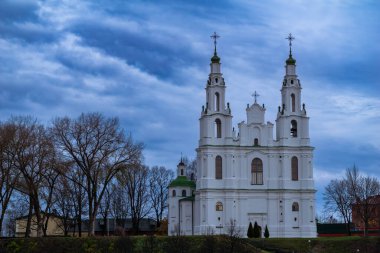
194 244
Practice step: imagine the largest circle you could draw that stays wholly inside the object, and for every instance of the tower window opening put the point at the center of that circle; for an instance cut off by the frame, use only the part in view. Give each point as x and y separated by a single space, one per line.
216 80
217 101
218 167
218 128
256 142
294 168
291 81
293 102
183 193
174 193
293 128
181 172
295 207
219 206
257 171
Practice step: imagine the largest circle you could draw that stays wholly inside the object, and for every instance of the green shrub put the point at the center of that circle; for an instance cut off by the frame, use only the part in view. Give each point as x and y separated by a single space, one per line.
256 231
266 233
250 232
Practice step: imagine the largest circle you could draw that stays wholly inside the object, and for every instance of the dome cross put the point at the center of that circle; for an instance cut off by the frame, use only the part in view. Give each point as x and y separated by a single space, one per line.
290 38
215 36
255 95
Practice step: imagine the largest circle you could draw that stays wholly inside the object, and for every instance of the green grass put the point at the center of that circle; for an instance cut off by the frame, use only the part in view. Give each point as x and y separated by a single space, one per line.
190 244
319 245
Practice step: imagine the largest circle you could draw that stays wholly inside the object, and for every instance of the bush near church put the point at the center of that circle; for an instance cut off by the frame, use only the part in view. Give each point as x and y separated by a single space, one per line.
256 231
266 233
250 231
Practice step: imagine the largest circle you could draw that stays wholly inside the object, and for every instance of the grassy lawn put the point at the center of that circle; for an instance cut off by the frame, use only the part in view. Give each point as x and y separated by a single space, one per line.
189 244
320 245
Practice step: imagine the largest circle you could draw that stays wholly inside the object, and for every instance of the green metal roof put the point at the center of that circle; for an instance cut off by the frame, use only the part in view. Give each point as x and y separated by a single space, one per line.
182 181
290 60
215 58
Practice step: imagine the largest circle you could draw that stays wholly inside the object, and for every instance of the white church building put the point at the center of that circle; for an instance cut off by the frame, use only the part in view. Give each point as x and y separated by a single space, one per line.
248 175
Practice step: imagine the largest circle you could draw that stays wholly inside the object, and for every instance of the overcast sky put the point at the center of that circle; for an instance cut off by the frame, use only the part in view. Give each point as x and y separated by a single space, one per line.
147 63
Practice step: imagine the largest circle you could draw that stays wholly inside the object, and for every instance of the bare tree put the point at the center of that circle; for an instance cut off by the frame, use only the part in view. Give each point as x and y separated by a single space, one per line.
8 173
159 180
233 235
50 179
135 180
191 168
338 199
33 154
99 148
363 189
120 207
78 194
105 209
18 207
64 204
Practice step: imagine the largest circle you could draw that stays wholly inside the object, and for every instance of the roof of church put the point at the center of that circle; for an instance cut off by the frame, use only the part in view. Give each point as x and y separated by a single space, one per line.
215 58
291 60
182 181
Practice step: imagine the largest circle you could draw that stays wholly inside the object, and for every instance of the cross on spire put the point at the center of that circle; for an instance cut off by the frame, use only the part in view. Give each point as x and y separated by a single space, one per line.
290 38
255 95
215 36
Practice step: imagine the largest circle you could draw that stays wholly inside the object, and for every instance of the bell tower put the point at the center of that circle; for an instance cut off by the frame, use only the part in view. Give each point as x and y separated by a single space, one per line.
292 124
216 118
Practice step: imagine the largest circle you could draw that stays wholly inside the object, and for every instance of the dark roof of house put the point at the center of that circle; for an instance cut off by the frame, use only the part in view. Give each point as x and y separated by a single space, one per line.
146 224
43 213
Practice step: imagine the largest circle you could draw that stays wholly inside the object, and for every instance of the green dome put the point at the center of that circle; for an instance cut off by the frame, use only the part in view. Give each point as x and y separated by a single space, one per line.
215 58
182 181
290 61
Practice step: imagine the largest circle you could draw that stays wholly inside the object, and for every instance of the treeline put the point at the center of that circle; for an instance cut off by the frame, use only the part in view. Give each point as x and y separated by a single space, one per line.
78 169
353 194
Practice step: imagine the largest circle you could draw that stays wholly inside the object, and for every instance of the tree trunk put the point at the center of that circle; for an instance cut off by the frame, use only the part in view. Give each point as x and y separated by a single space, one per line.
1 219
80 225
29 221
366 228
79 215
348 228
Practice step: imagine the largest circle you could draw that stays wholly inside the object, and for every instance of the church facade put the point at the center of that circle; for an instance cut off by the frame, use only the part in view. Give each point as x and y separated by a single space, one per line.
249 174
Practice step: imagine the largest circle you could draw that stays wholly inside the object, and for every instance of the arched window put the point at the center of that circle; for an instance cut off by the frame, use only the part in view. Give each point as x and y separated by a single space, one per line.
181 172
256 142
293 128
183 193
174 193
218 167
257 171
219 206
216 101
218 128
293 102
295 207
294 168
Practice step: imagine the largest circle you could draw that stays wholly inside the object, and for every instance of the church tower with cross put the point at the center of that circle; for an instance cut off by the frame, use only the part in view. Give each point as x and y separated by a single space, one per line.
249 175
